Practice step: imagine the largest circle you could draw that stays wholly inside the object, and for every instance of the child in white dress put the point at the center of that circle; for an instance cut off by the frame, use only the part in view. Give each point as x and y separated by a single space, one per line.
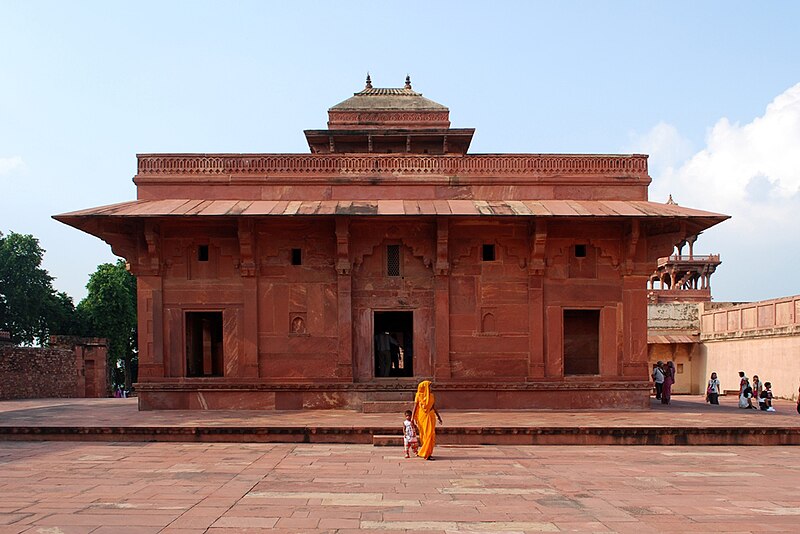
410 440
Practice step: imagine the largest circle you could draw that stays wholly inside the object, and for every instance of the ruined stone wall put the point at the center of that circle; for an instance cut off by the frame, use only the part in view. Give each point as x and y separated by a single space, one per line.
30 373
673 316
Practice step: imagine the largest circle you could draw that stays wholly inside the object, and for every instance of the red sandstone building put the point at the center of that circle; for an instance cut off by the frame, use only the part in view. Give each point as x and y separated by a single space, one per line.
387 255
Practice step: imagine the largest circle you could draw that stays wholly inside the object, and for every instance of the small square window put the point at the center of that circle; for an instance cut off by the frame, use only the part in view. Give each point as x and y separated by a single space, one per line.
393 260
202 253
488 253
580 251
680 368
297 256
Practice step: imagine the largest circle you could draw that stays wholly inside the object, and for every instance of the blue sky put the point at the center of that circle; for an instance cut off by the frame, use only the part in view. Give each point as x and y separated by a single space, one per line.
709 89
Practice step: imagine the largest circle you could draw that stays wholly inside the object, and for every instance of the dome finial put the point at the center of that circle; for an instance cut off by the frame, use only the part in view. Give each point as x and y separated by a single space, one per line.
670 201
369 81
408 82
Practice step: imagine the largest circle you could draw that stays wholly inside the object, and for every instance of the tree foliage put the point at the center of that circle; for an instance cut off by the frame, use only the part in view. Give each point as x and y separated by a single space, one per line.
30 309
109 311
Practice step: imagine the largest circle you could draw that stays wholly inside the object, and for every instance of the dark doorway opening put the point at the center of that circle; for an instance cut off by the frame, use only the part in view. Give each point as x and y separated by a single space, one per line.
204 344
394 347
581 342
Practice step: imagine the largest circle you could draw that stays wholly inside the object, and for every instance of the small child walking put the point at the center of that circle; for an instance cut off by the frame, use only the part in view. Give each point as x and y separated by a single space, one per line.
410 440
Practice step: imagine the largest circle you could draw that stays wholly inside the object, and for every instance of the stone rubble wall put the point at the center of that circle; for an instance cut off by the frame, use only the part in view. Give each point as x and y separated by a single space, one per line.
32 372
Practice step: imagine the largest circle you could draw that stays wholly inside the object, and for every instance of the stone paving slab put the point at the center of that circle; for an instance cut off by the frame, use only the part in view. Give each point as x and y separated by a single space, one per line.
81 487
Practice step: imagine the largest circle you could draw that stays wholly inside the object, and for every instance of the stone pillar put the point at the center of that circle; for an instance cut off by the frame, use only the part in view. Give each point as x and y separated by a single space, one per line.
344 285
248 269
634 320
150 305
441 302
536 324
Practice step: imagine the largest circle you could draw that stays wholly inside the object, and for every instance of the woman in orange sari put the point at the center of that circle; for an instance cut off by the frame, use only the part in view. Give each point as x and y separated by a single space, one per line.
425 416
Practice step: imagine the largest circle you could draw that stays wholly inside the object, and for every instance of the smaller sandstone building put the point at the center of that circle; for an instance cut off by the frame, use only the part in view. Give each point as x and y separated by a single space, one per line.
389 254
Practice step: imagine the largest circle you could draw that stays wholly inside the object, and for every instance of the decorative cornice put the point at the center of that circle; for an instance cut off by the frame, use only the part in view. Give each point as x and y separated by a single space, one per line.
387 117
303 165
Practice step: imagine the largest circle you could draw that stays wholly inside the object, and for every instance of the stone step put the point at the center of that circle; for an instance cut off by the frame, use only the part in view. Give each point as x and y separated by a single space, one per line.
387 406
387 440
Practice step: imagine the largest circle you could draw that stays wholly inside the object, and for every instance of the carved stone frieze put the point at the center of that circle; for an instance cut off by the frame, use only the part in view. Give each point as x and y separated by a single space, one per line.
407 164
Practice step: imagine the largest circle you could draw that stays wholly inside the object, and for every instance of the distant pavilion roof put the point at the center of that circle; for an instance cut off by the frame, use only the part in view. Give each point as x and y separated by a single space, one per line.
388 99
395 106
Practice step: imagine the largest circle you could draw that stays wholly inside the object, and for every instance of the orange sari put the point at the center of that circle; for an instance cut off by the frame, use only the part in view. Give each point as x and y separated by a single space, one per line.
425 419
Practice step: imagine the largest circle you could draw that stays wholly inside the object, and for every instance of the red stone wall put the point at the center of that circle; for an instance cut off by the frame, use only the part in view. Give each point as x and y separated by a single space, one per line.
71 367
489 306
297 304
289 330
32 373
374 291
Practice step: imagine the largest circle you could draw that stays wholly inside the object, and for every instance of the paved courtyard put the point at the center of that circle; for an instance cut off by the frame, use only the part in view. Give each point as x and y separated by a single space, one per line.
74 487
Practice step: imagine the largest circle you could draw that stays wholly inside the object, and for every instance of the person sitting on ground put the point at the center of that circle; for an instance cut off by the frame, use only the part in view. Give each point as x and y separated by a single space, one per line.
410 440
765 399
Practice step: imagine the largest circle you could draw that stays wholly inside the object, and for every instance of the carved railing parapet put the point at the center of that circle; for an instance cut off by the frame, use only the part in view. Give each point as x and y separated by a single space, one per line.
696 258
370 164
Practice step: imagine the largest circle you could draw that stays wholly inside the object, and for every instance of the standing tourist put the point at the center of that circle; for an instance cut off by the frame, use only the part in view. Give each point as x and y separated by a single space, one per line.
713 390
757 387
425 416
658 378
745 391
669 379
798 400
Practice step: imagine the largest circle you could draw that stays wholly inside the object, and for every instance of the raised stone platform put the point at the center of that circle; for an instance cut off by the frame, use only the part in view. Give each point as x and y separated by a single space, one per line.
688 421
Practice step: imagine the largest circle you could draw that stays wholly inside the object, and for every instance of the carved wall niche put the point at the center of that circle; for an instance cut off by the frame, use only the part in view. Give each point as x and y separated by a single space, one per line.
488 321
298 324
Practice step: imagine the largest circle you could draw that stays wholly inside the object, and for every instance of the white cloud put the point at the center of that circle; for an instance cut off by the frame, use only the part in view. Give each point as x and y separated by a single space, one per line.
8 165
664 145
751 172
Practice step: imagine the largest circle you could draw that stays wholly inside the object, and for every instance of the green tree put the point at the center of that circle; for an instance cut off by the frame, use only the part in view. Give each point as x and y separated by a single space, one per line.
109 311
30 309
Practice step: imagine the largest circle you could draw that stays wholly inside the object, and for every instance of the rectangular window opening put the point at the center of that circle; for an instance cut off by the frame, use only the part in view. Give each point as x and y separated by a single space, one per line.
393 260
488 253
580 251
202 253
581 342
297 256
204 355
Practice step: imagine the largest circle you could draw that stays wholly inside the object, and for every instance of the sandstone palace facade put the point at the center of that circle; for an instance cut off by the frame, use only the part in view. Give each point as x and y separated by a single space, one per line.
389 254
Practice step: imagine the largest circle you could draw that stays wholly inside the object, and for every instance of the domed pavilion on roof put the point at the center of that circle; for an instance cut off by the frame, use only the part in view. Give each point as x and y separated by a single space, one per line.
387 255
